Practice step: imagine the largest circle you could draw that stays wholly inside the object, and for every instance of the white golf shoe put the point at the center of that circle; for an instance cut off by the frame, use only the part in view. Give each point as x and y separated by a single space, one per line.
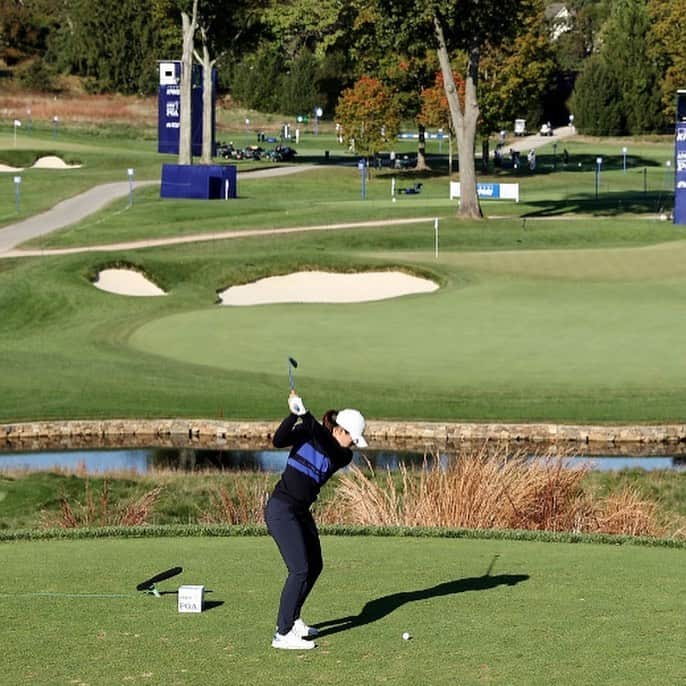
291 641
303 630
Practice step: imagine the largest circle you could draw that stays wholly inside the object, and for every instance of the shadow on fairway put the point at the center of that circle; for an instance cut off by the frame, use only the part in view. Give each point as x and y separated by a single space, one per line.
380 607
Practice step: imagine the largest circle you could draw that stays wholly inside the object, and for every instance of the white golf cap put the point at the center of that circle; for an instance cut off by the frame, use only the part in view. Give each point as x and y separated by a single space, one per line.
353 422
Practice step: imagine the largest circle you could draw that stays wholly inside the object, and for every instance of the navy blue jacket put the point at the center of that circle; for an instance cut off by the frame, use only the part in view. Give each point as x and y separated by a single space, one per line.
315 455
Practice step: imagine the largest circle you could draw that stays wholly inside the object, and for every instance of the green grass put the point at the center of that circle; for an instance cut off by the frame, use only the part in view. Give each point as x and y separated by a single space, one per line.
540 316
571 614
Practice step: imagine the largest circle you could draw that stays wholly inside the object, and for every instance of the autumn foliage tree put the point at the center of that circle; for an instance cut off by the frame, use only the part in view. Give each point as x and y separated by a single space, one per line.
369 116
435 111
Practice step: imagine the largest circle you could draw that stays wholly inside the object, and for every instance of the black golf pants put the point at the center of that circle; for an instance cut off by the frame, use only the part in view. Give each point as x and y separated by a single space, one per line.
296 535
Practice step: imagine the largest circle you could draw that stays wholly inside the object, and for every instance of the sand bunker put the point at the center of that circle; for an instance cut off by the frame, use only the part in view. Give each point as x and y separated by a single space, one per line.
326 287
53 162
47 162
126 282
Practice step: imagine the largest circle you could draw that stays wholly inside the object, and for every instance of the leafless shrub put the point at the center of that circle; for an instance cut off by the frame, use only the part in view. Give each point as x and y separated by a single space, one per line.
243 505
97 511
625 512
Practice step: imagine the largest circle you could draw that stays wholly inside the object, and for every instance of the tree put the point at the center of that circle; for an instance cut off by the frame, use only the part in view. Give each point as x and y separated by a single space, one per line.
368 114
449 26
435 111
111 43
514 77
665 49
624 50
25 28
189 25
617 93
597 101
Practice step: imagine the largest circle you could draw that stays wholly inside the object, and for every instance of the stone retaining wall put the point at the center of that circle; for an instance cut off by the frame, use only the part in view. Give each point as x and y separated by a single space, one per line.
220 434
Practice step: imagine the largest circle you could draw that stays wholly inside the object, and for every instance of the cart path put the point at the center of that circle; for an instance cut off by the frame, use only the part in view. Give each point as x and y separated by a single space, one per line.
538 141
215 236
73 210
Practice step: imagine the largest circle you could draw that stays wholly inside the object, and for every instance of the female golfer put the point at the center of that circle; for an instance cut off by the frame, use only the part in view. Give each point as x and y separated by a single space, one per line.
317 451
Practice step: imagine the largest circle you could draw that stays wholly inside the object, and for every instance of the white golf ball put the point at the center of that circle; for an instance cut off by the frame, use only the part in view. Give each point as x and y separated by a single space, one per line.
407 636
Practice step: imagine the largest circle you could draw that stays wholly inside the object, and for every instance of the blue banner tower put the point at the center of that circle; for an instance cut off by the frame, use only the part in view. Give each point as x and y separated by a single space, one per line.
680 161
169 108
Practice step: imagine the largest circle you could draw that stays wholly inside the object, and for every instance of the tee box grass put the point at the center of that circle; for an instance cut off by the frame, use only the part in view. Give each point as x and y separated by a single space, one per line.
479 611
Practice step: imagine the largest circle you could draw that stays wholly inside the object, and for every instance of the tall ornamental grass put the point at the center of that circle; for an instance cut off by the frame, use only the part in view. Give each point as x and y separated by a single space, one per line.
477 489
483 491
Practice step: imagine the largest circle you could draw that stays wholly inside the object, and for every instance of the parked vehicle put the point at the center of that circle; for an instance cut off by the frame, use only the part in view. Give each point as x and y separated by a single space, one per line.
226 150
282 153
520 127
252 152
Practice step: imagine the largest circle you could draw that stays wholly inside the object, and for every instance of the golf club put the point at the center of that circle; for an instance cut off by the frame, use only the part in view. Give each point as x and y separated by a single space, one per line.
292 364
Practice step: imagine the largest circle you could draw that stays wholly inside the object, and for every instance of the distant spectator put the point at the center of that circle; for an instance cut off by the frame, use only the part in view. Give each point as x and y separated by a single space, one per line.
531 157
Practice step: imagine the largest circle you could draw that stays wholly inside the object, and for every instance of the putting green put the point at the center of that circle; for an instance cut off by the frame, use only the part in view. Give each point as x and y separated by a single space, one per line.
567 321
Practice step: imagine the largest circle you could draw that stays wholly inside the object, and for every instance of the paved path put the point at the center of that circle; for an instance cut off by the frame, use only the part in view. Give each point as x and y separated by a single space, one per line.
538 141
74 209
216 236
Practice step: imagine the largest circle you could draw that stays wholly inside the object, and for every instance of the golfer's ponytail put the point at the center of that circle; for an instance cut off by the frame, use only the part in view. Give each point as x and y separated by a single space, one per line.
329 419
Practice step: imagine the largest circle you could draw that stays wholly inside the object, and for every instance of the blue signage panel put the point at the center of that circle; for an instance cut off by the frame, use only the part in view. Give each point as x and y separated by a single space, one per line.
488 190
169 112
680 166
199 181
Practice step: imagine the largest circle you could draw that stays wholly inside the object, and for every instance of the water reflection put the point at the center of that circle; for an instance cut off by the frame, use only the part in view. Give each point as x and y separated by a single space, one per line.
189 459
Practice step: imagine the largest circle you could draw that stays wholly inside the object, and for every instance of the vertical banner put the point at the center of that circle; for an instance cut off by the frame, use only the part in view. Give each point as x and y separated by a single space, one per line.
680 154
169 109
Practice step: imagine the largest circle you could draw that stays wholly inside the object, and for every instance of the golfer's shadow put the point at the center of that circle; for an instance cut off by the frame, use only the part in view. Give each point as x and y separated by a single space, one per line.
380 607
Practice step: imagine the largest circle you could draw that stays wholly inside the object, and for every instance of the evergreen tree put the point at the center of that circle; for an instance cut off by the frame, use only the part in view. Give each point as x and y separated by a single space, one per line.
626 55
300 93
618 90
596 101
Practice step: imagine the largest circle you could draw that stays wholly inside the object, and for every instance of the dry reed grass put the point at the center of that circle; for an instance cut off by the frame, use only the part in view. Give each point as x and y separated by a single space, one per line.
80 108
243 505
488 491
97 510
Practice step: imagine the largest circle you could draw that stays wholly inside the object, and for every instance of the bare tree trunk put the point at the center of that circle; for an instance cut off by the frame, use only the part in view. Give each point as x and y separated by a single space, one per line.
450 154
207 83
422 164
189 26
464 124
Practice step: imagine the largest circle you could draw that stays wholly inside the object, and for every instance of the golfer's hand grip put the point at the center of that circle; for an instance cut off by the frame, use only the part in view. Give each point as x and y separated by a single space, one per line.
296 405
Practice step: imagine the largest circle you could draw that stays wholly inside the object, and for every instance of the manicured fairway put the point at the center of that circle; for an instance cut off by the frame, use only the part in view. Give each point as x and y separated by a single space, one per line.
547 613
566 308
547 330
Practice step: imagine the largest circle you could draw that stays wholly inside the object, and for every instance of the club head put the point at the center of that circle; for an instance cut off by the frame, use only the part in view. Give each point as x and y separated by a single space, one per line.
292 364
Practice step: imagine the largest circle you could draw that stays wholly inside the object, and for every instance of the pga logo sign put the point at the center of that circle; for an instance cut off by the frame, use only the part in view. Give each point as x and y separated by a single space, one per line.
191 598
681 135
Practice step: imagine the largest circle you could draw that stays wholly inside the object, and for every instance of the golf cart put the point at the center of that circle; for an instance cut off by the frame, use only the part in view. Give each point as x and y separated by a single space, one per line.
520 127
282 153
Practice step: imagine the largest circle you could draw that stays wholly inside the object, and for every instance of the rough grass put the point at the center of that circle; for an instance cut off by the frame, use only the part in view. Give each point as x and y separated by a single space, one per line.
484 491
480 490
